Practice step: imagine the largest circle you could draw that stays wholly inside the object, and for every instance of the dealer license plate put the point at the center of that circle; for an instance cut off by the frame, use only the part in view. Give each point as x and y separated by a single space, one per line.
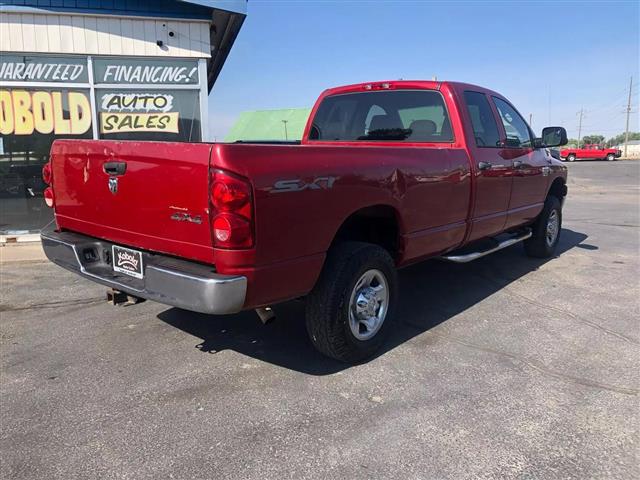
127 261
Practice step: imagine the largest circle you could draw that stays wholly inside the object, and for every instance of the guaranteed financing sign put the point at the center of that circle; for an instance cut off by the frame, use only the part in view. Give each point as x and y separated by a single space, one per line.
145 71
20 68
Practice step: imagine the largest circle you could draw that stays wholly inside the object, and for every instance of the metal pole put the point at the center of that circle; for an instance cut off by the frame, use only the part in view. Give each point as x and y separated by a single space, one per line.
286 136
580 128
530 119
626 133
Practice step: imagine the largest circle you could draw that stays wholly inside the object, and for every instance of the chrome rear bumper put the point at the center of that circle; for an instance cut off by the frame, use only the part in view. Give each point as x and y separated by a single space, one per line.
180 283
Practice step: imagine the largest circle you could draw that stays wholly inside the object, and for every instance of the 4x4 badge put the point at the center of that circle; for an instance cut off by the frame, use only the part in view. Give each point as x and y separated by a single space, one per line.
113 185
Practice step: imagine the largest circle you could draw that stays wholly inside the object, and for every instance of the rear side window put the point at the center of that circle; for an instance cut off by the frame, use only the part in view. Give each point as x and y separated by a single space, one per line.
395 115
515 127
485 128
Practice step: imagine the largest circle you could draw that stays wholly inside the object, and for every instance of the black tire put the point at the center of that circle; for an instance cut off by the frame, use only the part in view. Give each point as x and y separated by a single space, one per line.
327 306
571 157
611 157
538 245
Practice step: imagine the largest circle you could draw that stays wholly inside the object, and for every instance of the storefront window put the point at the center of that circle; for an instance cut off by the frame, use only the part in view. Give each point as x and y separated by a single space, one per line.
43 98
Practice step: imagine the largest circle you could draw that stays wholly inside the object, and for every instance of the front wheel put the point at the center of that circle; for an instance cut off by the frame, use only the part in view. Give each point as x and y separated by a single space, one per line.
349 313
571 157
611 157
546 230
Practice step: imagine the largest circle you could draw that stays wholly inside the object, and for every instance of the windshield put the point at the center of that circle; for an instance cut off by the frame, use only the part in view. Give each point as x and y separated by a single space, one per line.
395 115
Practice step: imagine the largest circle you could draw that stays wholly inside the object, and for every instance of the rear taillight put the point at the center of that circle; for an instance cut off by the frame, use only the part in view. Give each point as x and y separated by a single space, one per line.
47 176
232 211
46 173
48 196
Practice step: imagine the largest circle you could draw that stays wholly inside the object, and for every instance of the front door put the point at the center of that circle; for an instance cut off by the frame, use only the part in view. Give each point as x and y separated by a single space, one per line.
530 167
492 168
593 152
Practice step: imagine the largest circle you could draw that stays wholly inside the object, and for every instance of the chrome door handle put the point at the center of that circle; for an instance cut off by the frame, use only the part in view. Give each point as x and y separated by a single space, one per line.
114 168
517 163
484 166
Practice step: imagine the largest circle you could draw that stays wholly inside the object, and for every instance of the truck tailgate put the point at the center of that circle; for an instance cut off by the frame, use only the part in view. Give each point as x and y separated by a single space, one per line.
147 195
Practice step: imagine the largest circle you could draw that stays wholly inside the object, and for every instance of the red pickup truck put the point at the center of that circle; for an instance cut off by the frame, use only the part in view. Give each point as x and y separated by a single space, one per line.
387 174
591 151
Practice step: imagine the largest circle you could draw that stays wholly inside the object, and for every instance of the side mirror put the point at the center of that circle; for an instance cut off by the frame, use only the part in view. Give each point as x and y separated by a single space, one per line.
553 137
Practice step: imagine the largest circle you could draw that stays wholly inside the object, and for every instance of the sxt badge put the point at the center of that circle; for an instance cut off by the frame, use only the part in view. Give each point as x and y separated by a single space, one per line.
297 185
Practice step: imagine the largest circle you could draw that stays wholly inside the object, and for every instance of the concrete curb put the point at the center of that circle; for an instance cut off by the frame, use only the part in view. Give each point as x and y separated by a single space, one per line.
19 238
22 252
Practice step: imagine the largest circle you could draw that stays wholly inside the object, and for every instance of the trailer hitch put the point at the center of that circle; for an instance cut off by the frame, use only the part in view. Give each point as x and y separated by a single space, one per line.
116 297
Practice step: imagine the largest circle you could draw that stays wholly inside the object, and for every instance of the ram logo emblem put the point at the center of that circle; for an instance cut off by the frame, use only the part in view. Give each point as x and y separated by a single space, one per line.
297 185
113 185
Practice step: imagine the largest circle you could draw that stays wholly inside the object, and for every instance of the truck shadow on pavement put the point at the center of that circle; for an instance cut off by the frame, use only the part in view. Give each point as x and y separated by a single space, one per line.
431 292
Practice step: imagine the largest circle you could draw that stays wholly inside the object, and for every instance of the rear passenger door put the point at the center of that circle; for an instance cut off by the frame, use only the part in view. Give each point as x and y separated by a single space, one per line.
530 166
492 167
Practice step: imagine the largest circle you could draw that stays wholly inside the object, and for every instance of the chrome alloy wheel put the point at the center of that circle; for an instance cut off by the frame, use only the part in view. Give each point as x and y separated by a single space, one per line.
368 304
553 226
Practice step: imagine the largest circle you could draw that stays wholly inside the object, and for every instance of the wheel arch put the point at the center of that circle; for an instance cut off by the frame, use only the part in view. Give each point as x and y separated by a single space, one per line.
558 189
379 224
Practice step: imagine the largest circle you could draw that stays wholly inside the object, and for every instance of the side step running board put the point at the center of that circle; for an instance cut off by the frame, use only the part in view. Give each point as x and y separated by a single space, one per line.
470 257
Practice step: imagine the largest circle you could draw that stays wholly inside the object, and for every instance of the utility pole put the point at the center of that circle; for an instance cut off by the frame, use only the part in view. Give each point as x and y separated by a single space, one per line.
530 119
286 136
626 133
580 127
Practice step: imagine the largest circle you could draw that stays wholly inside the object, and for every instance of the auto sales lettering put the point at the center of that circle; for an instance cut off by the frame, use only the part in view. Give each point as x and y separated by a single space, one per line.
24 112
137 112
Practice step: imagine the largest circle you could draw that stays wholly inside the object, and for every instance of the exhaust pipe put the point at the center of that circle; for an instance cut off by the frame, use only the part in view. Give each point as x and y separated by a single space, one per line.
266 314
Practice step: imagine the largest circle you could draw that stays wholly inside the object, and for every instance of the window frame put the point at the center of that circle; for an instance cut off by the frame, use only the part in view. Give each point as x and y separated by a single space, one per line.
383 142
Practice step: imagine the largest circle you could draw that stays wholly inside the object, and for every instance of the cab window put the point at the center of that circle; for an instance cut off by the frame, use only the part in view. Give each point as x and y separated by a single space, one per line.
393 115
516 129
485 128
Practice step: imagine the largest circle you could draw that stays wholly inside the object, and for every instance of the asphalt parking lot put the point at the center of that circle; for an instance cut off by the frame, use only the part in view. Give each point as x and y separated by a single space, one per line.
506 367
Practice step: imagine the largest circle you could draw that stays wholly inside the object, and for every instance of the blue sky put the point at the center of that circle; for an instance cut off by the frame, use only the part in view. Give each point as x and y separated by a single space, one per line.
549 58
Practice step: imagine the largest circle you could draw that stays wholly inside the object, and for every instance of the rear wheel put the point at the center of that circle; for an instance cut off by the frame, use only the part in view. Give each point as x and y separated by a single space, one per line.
571 157
546 230
611 157
349 313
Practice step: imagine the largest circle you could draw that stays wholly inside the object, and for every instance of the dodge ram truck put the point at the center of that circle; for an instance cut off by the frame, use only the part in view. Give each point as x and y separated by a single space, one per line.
590 151
387 174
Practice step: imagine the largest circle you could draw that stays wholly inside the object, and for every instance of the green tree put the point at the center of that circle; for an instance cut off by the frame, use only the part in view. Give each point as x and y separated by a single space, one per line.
597 139
619 139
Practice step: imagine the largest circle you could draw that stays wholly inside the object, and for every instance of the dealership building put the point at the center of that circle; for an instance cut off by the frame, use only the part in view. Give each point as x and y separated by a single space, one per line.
117 69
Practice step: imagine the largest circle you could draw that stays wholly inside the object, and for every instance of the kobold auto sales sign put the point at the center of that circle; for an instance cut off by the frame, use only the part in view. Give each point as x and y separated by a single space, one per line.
23 112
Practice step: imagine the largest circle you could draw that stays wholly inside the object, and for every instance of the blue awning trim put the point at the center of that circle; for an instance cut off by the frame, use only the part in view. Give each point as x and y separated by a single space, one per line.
147 8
